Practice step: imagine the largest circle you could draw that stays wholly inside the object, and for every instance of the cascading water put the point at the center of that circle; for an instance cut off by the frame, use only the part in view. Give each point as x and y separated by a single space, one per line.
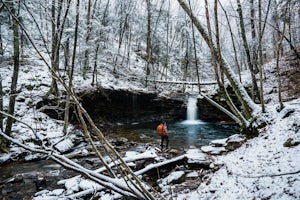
192 112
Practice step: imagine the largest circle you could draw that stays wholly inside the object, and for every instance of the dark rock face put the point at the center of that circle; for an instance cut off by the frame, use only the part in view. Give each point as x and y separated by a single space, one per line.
110 106
210 113
122 106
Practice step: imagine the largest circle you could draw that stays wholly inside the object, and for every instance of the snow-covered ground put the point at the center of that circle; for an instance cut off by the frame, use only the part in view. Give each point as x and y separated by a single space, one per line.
262 168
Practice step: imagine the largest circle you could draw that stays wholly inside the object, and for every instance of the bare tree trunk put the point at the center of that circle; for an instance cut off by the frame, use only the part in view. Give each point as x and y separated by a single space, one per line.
123 29
279 46
129 48
195 53
87 38
13 87
149 43
94 79
57 32
220 69
67 108
53 88
166 63
260 33
1 43
233 43
185 63
1 104
255 92
253 37
210 44
66 55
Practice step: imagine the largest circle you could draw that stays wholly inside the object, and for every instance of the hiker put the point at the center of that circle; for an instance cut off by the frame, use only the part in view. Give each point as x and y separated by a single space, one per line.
162 130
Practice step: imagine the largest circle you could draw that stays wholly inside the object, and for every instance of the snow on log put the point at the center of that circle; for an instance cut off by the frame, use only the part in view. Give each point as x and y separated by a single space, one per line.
183 82
160 164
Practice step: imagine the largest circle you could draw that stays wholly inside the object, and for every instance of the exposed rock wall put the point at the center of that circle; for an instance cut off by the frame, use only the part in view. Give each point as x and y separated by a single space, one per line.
108 106
123 106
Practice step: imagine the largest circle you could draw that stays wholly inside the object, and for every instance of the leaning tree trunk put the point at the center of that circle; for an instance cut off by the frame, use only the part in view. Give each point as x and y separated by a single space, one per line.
248 106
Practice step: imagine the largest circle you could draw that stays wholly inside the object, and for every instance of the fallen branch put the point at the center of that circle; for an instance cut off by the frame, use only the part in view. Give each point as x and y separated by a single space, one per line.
160 164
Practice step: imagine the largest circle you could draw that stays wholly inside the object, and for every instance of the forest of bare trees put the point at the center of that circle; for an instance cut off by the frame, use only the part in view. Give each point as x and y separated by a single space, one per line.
183 40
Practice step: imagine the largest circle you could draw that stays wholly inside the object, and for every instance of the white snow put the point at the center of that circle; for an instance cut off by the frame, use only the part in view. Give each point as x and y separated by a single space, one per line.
262 168
170 178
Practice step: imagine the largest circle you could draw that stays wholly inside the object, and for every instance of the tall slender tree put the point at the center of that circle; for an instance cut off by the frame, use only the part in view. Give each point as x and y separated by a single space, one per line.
67 107
16 63
253 71
87 38
149 39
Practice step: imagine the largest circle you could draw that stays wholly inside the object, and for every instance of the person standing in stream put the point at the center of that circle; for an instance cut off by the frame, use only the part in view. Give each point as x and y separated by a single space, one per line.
162 130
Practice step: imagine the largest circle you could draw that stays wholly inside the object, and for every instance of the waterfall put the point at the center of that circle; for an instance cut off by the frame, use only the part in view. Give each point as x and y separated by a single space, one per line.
192 112
192 109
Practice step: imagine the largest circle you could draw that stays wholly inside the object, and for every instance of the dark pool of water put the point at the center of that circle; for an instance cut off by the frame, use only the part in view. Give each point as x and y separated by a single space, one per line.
18 180
181 134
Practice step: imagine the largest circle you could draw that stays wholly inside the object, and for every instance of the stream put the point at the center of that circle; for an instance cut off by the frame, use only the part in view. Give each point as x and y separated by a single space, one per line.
21 180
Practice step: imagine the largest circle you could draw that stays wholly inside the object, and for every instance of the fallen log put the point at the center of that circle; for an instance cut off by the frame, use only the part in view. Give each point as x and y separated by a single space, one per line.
183 82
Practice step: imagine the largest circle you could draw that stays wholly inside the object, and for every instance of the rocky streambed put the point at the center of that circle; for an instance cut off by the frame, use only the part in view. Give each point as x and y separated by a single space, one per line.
180 170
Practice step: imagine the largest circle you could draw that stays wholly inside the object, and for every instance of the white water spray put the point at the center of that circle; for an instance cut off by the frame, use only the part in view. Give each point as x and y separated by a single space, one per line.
192 112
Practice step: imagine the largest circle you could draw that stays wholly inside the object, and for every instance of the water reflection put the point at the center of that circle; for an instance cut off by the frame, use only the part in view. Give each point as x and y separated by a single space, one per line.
181 134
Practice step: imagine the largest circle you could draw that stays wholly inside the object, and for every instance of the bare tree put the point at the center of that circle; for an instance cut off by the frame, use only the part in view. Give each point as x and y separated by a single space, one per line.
278 55
1 103
233 42
195 53
57 33
149 42
16 57
253 70
67 107
260 35
248 106
1 43
87 38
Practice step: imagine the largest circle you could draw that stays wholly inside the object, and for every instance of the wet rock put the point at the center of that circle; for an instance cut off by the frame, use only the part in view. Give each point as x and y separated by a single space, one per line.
64 146
120 141
196 159
174 152
213 150
176 177
235 141
40 183
219 143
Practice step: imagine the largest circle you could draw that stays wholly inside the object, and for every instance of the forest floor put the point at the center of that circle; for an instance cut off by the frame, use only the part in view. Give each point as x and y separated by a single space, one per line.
265 167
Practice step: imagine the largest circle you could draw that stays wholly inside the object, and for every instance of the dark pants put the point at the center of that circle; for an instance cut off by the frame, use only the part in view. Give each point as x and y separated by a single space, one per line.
162 141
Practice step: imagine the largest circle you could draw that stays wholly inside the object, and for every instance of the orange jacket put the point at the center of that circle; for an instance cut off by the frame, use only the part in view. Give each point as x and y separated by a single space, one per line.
162 130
